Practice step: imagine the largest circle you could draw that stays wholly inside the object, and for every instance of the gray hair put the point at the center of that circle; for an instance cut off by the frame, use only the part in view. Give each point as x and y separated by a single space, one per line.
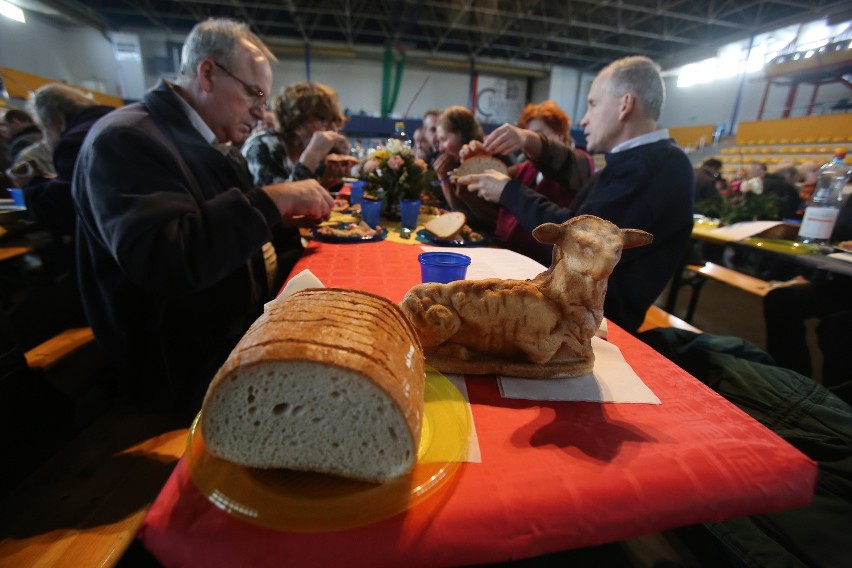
53 101
639 76
217 39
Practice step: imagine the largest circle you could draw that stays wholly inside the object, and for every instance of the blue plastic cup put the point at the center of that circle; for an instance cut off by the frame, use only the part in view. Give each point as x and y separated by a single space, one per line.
17 196
442 267
356 191
409 211
371 212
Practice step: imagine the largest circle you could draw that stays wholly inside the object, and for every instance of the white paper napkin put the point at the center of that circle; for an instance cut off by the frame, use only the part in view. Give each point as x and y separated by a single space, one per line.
743 230
496 263
302 281
845 256
612 380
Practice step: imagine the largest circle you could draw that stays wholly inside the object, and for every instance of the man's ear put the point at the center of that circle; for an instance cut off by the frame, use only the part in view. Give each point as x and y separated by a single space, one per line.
628 104
205 74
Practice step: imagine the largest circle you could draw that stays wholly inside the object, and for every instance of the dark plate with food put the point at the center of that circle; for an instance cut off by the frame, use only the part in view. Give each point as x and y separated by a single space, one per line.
348 233
464 238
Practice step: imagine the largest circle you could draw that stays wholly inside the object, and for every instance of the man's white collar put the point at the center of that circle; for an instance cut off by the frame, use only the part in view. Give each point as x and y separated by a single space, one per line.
195 119
642 139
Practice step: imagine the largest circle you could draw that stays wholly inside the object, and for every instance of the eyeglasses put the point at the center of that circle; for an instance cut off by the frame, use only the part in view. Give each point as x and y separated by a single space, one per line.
255 94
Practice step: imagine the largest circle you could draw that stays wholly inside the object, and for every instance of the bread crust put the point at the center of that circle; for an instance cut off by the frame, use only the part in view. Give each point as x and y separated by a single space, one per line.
480 164
348 329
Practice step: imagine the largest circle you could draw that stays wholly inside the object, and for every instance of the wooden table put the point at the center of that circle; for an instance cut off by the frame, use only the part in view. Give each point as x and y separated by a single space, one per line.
554 475
84 506
753 266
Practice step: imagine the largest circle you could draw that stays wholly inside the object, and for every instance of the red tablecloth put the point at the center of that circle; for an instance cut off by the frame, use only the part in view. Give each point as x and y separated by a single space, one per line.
554 475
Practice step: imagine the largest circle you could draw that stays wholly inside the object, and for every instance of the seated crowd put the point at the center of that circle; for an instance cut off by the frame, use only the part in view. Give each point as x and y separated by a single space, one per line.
178 215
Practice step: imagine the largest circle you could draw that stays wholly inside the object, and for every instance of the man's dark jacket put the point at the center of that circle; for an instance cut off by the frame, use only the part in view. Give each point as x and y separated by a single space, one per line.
169 237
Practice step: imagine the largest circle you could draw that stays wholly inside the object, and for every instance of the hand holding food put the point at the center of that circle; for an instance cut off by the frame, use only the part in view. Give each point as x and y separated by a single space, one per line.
320 145
489 185
471 149
443 164
304 197
508 139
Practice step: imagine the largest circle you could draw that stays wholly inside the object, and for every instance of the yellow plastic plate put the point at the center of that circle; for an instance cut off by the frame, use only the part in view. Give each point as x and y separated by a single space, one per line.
312 502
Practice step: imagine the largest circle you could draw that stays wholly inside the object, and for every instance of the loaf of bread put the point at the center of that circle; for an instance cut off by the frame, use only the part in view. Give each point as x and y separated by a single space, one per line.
479 164
327 380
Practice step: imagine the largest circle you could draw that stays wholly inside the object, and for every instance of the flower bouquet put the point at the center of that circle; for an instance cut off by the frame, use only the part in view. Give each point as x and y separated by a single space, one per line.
393 173
740 202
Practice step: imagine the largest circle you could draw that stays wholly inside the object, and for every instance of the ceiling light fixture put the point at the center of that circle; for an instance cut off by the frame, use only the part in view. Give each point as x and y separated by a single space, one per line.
12 12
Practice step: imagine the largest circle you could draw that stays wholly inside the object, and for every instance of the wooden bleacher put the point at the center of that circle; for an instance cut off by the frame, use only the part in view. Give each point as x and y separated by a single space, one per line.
20 84
696 136
795 140
822 129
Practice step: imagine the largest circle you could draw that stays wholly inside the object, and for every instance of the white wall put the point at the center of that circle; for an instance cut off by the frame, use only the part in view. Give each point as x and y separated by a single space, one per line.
73 54
359 85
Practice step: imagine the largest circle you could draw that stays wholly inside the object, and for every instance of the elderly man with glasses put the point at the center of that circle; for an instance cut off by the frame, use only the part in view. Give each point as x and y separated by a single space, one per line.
173 237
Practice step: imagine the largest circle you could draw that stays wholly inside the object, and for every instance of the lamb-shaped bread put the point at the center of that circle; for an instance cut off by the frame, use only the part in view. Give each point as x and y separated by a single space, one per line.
535 328
327 380
479 164
446 225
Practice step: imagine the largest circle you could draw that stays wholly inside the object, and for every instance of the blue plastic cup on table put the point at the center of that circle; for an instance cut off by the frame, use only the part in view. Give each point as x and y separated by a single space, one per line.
17 196
371 211
442 267
409 211
356 192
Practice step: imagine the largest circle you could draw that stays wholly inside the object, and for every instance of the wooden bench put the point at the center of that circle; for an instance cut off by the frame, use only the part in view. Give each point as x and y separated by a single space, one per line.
709 270
56 349
84 505
657 317
10 252
731 277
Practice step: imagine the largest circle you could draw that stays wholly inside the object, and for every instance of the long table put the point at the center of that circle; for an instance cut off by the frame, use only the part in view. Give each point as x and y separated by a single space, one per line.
553 475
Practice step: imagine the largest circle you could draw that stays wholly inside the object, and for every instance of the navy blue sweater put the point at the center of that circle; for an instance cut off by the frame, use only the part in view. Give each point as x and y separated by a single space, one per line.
648 187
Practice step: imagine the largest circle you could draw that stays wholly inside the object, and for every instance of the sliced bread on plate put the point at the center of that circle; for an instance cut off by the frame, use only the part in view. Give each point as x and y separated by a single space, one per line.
327 380
446 225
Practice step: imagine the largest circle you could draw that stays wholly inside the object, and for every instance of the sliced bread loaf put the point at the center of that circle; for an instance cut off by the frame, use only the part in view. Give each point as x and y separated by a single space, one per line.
479 164
327 380
446 225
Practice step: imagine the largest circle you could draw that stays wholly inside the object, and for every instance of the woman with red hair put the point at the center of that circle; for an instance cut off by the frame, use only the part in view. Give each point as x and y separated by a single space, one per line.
548 119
